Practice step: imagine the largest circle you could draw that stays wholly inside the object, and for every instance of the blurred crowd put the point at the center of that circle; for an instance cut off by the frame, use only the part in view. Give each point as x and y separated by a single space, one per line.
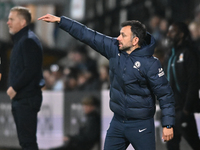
80 72
83 72
158 27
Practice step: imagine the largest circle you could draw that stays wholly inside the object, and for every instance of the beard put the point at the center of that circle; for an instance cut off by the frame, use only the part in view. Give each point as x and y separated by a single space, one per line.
173 42
11 32
128 48
169 43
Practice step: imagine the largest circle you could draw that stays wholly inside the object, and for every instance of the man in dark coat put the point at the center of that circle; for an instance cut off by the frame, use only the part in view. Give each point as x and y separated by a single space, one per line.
25 77
181 68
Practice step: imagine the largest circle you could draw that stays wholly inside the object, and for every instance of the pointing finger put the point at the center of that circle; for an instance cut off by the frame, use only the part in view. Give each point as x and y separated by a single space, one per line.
43 17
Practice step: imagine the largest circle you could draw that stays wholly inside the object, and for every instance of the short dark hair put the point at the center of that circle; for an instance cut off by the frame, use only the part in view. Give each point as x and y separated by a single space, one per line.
137 29
24 12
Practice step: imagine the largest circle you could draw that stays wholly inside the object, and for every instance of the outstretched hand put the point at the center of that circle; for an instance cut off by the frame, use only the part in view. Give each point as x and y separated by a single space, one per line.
50 18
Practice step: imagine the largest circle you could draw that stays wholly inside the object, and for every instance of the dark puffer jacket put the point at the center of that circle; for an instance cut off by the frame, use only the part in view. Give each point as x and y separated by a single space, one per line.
135 78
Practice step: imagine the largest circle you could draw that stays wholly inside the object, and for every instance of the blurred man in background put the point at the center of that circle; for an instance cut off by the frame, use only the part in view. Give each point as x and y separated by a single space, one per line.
181 69
89 132
25 77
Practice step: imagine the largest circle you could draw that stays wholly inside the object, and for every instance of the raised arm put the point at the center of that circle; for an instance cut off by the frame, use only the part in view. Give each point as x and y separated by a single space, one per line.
105 45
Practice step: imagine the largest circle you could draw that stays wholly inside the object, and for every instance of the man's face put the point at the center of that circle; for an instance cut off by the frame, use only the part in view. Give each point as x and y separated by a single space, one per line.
173 35
15 22
125 38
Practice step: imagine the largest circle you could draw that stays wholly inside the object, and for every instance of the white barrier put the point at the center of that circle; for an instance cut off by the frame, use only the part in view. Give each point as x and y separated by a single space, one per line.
51 120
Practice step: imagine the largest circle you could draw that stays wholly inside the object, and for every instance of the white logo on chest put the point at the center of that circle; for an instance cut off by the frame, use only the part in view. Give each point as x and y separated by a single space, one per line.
137 65
181 58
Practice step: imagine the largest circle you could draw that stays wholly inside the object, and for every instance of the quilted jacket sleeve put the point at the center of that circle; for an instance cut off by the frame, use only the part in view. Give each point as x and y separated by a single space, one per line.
103 44
164 94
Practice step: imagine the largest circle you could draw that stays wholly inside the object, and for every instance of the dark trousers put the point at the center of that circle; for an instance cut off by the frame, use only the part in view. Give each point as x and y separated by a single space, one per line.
25 116
184 126
122 132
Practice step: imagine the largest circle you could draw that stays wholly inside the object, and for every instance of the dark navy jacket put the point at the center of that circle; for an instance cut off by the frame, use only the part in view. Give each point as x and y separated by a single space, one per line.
135 78
25 71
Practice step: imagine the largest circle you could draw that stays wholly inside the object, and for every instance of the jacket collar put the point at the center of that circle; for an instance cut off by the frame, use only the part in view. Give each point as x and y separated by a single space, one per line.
19 34
181 46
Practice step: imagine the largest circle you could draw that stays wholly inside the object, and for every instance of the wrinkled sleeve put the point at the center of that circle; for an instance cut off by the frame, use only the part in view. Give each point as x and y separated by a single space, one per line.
164 94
